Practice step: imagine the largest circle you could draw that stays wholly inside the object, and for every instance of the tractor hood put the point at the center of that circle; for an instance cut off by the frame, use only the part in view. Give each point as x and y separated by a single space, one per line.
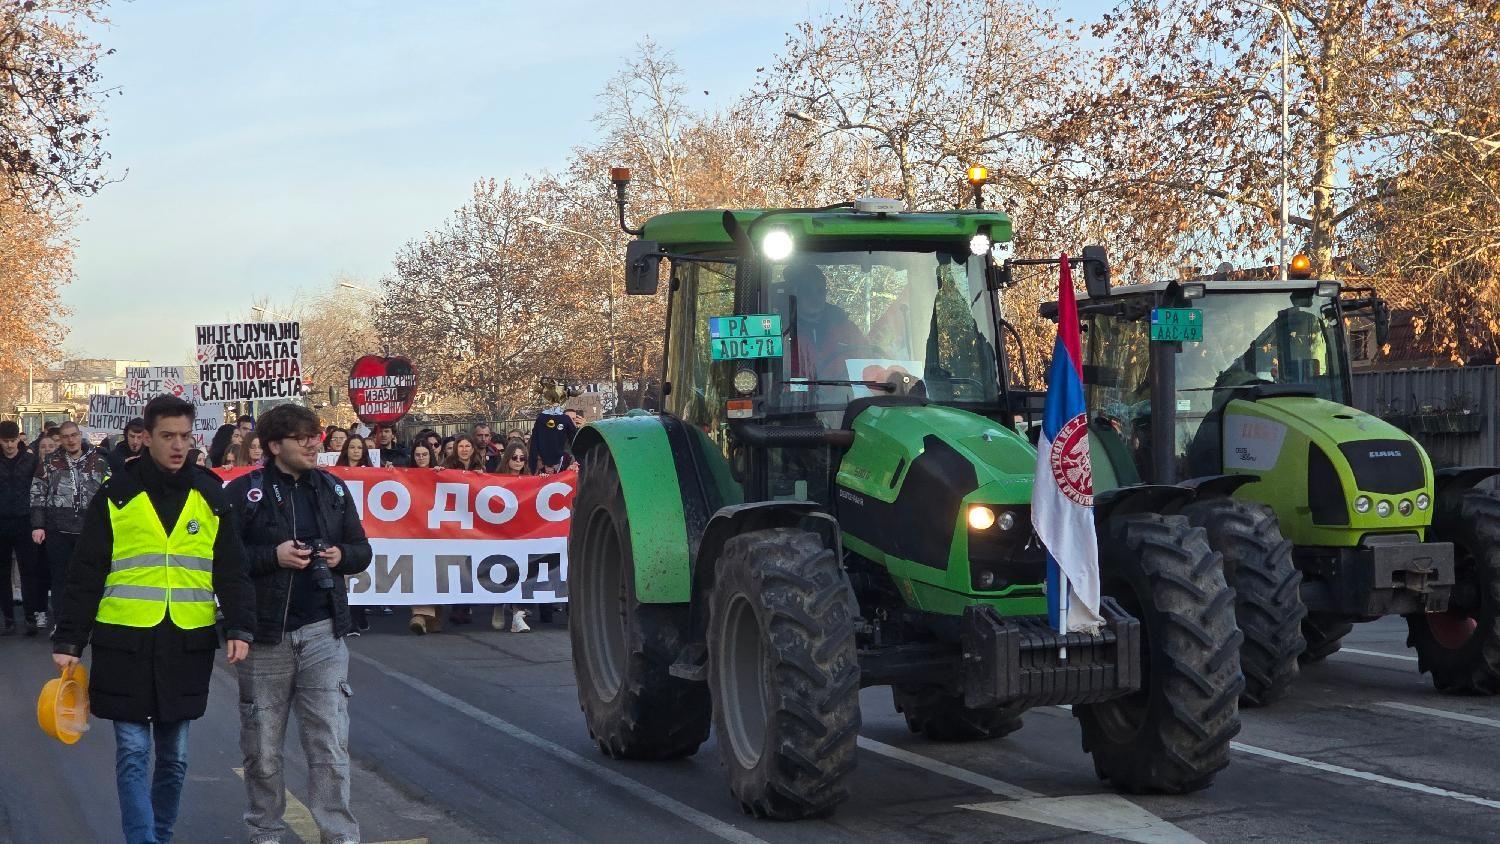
968 450
1318 459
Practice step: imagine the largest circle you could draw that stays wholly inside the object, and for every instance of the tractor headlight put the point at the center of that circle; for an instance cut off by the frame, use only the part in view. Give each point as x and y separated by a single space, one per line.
776 245
1423 502
745 381
986 580
1007 520
1404 508
1362 504
979 244
1383 509
981 517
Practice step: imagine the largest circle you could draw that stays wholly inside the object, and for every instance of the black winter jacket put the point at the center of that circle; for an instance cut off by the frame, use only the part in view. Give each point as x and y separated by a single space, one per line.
263 512
150 673
15 484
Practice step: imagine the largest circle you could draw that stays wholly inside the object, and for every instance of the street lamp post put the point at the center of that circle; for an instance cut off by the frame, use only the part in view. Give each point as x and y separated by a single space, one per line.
1286 34
609 291
352 286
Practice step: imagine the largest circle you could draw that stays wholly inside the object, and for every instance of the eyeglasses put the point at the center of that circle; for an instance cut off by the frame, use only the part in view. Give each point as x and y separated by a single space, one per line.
303 439
518 459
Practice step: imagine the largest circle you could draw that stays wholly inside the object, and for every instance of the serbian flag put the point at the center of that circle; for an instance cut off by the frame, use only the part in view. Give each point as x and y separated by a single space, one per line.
1062 501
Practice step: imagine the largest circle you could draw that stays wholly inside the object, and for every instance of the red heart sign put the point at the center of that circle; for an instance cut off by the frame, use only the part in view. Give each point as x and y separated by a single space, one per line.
381 389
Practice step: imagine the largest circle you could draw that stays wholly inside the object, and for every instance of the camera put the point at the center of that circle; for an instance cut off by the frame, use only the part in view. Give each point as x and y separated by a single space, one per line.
322 577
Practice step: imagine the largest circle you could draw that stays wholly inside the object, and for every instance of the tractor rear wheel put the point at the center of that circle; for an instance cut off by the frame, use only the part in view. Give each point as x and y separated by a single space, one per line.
623 648
1324 634
1461 647
784 672
1268 592
1173 735
940 715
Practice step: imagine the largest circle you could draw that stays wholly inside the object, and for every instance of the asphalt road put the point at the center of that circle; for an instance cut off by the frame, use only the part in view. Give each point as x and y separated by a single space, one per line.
476 736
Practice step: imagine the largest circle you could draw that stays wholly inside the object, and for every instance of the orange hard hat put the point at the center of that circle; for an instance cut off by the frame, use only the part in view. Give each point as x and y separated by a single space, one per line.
62 710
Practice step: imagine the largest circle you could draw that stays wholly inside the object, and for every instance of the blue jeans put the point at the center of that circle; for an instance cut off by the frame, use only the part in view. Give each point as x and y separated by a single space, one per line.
148 800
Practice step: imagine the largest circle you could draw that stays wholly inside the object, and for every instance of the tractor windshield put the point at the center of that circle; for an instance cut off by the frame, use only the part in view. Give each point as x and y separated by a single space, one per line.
856 320
1249 338
1262 338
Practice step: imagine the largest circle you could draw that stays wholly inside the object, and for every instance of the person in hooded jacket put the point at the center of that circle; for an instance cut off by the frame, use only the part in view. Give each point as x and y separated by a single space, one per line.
302 538
157 552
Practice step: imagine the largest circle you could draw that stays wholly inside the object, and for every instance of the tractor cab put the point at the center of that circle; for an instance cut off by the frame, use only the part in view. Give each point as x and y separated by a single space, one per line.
1164 360
784 324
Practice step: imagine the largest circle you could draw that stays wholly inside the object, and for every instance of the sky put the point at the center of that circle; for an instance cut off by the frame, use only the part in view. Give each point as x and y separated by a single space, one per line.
264 148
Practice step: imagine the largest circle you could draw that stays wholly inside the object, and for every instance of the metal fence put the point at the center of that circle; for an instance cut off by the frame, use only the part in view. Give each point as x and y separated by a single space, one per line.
1451 412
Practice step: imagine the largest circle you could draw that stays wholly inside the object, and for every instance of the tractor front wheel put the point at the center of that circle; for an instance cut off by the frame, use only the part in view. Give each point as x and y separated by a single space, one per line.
623 648
784 672
1268 592
1173 735
940 715
1461 647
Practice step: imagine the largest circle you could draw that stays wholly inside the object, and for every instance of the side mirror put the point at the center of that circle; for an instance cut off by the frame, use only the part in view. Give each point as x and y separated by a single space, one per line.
1096 272
642 267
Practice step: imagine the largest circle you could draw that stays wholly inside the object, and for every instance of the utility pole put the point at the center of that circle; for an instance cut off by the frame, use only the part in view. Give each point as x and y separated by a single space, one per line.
1286 35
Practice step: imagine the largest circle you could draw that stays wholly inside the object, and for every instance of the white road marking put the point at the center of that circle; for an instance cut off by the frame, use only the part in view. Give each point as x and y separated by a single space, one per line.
1102 814
1402 657
1367 776
703 821
1440 713
990 784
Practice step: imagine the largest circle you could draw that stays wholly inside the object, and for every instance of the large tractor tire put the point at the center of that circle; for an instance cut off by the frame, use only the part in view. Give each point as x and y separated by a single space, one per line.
623 648
1173 735
1324 635
1461 647
784 672
1268 592
940 715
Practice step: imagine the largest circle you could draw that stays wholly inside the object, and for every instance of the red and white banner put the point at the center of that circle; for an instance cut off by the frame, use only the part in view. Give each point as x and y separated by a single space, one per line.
453 537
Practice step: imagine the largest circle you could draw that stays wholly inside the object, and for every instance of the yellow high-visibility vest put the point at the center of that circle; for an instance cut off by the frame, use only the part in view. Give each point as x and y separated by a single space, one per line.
153 575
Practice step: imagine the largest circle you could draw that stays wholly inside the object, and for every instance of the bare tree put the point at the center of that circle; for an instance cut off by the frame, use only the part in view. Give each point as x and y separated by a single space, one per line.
50 127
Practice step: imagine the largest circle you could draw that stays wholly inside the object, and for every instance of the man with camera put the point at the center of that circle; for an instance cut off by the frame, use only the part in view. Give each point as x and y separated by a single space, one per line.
302 536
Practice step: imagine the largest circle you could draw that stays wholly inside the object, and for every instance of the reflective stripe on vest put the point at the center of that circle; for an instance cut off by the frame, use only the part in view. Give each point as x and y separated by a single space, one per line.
153 576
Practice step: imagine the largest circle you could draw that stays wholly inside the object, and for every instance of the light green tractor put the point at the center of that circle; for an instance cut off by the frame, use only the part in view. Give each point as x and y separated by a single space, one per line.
833 495
1340 517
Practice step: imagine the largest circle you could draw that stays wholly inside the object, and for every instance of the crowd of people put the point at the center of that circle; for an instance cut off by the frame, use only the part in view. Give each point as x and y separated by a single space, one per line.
139 551
47 483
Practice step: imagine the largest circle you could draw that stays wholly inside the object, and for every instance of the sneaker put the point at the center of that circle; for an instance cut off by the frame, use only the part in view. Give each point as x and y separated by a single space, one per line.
353 634
518 623
417 626
42 621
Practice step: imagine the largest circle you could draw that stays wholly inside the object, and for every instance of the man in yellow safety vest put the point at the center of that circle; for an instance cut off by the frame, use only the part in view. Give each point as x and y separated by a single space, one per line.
151 559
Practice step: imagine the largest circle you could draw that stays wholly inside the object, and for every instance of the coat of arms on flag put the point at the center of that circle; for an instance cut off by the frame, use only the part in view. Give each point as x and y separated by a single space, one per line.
1062 501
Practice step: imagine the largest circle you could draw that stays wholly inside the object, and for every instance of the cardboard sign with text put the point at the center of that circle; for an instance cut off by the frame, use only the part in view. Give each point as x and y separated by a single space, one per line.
249 360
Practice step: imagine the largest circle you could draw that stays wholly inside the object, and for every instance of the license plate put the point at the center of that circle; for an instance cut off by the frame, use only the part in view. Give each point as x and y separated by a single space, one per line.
745 348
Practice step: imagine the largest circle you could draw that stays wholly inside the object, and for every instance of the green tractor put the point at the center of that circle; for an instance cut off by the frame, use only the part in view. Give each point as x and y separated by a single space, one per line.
834 495
1326 516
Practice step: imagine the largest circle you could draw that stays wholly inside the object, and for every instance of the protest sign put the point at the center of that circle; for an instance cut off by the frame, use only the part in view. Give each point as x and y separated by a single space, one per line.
206 423
455 537
249 360
143 383
382 389
112 413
